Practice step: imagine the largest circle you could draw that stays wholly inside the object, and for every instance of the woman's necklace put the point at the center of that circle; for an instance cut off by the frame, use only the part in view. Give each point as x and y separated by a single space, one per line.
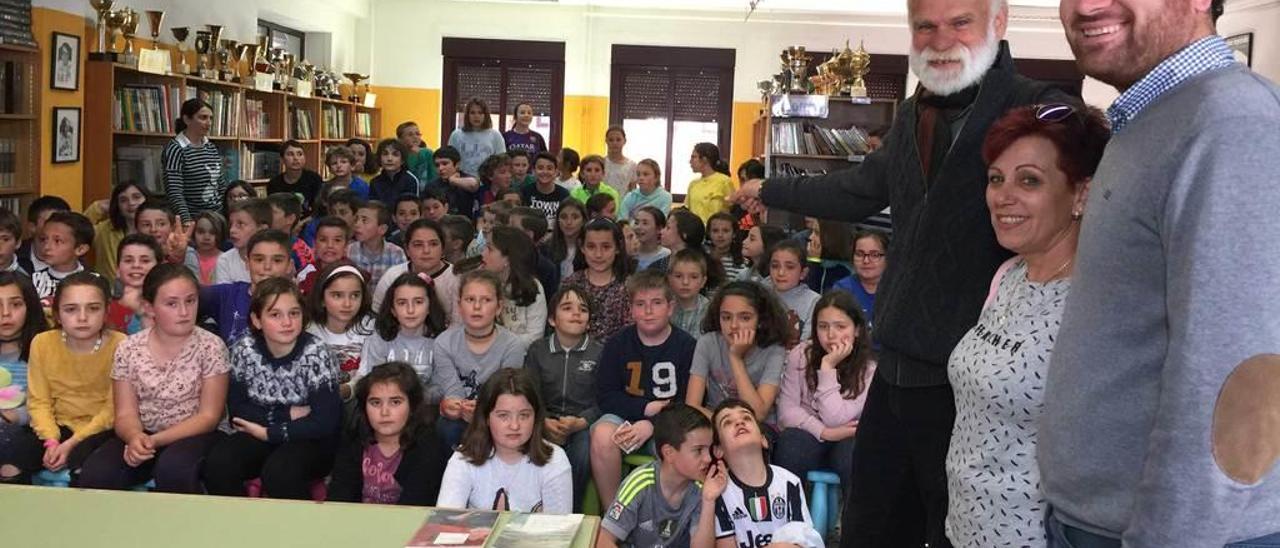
1019 299
96 346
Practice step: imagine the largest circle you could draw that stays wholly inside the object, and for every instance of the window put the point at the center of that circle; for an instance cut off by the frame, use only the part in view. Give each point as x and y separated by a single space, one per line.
504 73
670 99
279 36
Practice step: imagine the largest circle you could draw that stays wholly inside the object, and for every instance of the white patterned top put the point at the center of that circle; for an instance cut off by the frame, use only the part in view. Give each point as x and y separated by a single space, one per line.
998 372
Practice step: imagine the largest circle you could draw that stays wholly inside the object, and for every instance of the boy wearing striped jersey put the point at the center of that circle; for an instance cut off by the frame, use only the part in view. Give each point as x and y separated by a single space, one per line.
643 368
746 502
658 503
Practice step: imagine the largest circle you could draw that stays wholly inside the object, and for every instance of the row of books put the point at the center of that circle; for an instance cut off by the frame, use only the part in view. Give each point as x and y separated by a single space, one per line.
13 204
148 108
364 124
226 110
810 139
143 164
257 119
882 221
335 123
257 164
303 126
8 162
15 76
15 23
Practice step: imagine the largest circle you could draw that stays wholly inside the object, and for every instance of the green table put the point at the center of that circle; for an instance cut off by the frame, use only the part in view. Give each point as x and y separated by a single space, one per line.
85 518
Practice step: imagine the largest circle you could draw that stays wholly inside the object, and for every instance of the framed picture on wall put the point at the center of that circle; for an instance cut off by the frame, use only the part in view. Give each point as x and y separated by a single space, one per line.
66 135
1242 47
65 62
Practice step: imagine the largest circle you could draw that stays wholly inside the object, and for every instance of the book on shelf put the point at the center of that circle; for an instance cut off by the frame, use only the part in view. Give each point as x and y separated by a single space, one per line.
258 164
230 160
145 108
454 529
882 222
538 530
13 204
811 139
257 119
8 162
140 164
13 77
335 124
364 124
303 128
226 110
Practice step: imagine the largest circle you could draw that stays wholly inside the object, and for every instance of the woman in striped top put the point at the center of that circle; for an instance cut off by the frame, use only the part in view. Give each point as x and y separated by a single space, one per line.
193 177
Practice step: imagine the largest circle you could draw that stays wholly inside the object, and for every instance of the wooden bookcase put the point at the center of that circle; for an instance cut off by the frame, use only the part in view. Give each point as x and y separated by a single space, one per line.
20 127
842 113
246 121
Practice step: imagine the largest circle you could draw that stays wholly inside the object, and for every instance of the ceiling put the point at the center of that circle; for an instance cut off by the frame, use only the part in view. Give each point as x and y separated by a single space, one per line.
784 6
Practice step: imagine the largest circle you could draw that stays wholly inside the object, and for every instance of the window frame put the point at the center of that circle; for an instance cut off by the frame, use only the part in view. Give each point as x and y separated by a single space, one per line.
273 28
459 52
675 60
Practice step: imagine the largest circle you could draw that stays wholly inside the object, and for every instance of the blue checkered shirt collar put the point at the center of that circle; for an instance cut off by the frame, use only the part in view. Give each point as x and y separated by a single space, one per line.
1206 54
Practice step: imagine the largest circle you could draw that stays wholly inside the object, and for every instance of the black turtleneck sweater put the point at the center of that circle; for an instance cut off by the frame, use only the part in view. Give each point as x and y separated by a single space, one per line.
944 250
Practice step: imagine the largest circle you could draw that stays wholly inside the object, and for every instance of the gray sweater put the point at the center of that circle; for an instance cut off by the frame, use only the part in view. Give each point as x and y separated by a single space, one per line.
460 373
1177 281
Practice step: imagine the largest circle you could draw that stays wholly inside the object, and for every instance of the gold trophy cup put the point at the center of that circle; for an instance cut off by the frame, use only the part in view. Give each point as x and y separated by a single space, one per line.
243 51
101 43
355 78
860 64
155 18
797 65
114 21
202 52
130 28
227 60
180 34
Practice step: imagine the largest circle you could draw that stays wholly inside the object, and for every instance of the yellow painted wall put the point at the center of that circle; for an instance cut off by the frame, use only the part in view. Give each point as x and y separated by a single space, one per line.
403 104
65 180
744 118
586 117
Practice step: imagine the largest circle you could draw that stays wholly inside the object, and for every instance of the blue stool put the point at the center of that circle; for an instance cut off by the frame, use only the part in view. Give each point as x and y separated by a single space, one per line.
824 501
61 478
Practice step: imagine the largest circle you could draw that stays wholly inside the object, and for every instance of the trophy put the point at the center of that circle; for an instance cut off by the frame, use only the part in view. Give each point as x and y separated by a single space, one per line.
355 78
215 41
155 18
287 63
180 34
101 46
827 81
766 89
860 64
243 51
797 66
130 28
275 60
226 55
202 52
114 21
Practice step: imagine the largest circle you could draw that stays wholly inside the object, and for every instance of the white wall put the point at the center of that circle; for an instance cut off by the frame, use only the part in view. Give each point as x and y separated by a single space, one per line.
406 37
330 23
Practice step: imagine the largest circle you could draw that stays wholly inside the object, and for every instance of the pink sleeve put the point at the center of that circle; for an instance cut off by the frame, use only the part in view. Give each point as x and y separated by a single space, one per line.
791 413
835 409
213 357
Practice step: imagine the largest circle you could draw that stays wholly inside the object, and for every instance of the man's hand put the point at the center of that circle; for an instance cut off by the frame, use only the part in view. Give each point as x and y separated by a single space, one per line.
749 190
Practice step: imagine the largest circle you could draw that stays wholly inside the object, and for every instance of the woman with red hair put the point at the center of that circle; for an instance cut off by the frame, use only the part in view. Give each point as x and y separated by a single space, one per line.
1040 160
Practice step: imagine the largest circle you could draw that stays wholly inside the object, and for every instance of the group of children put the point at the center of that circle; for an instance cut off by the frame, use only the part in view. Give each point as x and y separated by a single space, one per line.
493 341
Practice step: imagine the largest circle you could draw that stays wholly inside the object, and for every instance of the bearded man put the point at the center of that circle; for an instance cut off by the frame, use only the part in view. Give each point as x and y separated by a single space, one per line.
943 256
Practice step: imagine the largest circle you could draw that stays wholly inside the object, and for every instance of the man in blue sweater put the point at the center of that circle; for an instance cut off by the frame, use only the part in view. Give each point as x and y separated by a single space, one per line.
1162 404
942 258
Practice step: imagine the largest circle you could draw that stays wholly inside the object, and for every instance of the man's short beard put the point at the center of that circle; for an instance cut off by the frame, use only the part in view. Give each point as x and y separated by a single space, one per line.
976 62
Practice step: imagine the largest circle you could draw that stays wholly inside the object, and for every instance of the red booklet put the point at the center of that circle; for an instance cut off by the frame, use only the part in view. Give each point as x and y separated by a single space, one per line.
454 529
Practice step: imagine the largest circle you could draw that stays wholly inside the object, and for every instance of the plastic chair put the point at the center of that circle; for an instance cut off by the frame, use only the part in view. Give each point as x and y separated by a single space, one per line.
61 478
253 488
824 500
591 498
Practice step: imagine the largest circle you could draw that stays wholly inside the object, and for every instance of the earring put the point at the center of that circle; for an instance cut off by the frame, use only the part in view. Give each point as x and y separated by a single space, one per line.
1076 215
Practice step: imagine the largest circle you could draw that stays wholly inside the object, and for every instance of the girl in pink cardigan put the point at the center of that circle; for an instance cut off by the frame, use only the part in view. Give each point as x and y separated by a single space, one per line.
823 389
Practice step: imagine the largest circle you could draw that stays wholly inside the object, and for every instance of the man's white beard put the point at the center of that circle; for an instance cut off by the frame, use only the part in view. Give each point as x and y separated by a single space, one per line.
974 65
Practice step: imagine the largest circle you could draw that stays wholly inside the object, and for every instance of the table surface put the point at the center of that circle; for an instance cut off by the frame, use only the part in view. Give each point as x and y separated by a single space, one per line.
50 516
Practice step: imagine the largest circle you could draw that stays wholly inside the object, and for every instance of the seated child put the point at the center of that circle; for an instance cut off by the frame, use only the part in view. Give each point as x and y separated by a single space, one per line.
787 270
333 235
137 255
341 318
564 364
395 179
395 457
227 305
658 503
247 217
602 205
504 463
65 238
687 276
745 500
341 163
407 211
38 213
155 218
296 179
170 393
210 232
286 210
69 379
10 235
20 307
435 204
462 189
741 353
283 402
469 352
642 369
408 322
458 234
371 252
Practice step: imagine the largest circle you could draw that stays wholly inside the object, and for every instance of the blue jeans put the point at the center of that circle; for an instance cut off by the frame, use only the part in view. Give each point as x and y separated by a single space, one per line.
1062 535
450 431
578 449
799 452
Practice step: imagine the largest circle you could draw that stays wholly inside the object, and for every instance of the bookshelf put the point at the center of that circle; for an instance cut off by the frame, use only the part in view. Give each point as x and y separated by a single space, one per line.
794 136
20 76
135 112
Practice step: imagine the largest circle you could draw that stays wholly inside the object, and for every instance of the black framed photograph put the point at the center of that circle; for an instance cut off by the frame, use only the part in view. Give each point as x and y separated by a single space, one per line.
66 62
66 135
1242 47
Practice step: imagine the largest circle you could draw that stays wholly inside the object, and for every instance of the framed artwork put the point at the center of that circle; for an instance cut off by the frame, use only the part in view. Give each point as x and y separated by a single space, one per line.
65 62
1242 47
66 135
